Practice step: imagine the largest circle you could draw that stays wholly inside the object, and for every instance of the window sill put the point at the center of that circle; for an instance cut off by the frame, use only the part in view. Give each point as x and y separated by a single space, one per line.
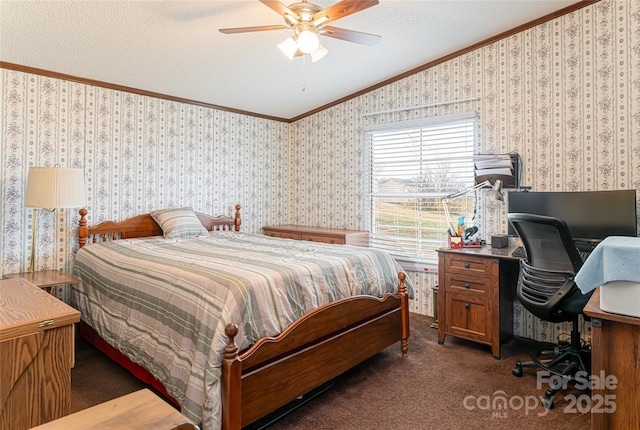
418 265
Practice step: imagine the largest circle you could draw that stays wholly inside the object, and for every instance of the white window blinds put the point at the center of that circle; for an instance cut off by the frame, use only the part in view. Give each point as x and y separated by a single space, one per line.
413 165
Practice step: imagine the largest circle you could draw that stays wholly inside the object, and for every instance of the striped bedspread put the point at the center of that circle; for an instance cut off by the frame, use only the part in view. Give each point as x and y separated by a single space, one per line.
164 303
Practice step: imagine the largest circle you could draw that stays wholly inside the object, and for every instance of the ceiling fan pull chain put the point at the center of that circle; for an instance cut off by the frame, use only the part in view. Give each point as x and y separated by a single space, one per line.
304 71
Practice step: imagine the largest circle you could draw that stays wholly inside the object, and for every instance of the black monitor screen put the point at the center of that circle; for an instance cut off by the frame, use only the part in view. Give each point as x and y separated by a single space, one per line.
590 215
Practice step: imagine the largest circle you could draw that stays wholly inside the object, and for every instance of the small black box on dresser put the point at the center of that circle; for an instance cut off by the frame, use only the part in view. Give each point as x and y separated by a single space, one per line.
500 241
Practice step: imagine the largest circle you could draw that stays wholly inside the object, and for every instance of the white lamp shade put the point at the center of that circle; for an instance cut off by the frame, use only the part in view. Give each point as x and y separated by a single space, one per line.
55 187
319 53
288 48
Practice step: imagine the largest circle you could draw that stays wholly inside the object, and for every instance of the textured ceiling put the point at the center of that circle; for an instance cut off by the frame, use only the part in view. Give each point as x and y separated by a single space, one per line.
175 48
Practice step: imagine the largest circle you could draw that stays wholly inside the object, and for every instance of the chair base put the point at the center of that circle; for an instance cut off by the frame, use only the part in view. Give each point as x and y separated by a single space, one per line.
563 361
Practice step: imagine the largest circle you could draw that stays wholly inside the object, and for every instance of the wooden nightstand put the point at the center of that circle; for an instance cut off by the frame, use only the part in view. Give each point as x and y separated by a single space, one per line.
475 299
45 279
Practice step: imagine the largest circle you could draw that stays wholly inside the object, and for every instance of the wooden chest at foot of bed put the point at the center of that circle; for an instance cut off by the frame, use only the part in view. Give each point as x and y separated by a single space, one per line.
37 354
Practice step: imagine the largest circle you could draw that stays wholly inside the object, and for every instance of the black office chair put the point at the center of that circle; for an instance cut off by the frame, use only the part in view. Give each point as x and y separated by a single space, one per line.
546 288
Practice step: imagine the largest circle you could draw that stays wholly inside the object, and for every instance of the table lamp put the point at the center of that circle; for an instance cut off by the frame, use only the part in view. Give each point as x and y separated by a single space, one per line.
52 188
494 194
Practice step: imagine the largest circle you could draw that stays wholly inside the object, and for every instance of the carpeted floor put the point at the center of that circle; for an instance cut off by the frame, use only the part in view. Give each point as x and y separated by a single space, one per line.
442 387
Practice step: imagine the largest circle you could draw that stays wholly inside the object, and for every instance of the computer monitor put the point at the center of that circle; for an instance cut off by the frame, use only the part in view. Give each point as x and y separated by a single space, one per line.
590 215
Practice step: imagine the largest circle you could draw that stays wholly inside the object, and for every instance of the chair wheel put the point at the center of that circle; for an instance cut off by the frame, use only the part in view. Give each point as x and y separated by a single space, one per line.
517 371
547 403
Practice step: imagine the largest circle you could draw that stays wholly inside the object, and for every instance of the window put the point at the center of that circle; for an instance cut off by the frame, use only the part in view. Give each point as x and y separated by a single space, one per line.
414 164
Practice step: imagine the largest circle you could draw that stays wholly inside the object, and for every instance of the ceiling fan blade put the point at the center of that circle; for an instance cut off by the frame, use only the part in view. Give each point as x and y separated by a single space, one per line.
278 7
350 35
250 29
342 9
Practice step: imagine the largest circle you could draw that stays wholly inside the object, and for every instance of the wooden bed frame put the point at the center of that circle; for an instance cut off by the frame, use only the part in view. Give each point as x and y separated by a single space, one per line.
315 349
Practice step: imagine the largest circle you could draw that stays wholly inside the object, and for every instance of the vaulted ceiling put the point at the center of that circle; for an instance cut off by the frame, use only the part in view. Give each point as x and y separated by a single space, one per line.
174 47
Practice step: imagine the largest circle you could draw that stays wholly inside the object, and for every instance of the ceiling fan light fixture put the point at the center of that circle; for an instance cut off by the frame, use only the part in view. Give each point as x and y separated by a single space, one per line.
288 48
306 21
308 41
319 53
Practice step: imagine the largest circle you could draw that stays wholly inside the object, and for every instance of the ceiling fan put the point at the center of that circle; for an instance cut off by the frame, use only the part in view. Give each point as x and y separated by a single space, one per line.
307 21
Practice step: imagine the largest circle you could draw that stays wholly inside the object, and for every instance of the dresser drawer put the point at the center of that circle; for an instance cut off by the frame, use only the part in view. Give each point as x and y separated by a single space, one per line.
323 239
465 285
478 267
284 235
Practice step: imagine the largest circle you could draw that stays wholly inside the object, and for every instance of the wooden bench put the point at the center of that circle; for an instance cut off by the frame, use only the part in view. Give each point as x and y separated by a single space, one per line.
139 410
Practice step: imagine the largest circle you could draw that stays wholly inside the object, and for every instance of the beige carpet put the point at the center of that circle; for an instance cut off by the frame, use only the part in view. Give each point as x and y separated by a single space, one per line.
427 390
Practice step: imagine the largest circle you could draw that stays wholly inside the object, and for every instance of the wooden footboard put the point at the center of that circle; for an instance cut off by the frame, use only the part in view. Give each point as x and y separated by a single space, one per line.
315 349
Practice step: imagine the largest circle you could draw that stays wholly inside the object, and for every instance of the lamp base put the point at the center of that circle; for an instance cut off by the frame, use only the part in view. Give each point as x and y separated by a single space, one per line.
32 262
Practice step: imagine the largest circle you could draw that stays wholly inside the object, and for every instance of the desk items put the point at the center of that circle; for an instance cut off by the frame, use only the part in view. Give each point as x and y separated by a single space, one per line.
494 194
499 241
464 240
498 167
613 265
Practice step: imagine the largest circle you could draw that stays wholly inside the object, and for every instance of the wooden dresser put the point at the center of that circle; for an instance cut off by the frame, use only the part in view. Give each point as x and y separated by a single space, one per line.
475 295
37 354
615 352
318 234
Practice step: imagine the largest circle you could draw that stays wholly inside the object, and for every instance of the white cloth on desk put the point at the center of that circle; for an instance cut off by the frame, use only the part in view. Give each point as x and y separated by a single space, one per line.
617 258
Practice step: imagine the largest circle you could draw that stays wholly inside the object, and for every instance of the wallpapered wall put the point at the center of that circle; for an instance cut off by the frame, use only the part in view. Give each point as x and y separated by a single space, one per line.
565 95
138 154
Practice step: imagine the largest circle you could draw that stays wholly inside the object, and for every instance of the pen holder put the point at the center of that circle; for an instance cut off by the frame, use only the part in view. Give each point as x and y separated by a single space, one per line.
455 242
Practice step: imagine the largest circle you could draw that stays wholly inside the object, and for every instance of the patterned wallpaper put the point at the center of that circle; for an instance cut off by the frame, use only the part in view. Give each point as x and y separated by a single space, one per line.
565 95
138 153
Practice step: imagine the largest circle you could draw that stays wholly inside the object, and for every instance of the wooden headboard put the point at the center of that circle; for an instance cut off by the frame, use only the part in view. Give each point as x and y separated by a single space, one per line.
145 226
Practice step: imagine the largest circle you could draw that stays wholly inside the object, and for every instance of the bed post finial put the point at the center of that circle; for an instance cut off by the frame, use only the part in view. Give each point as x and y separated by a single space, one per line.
83 231
238 221
231 382
231 349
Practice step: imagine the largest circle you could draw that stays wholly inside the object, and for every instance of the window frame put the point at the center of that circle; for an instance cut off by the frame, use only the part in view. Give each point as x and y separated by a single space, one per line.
423 260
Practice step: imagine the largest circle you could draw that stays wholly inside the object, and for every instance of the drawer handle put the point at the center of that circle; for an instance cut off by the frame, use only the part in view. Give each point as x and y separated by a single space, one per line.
467 285
467 265
467 305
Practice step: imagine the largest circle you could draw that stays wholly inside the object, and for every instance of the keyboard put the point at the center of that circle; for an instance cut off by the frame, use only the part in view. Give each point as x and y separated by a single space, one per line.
585 248
584 254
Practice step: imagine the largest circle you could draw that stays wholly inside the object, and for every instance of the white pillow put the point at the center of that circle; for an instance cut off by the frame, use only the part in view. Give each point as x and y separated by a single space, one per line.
179 222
